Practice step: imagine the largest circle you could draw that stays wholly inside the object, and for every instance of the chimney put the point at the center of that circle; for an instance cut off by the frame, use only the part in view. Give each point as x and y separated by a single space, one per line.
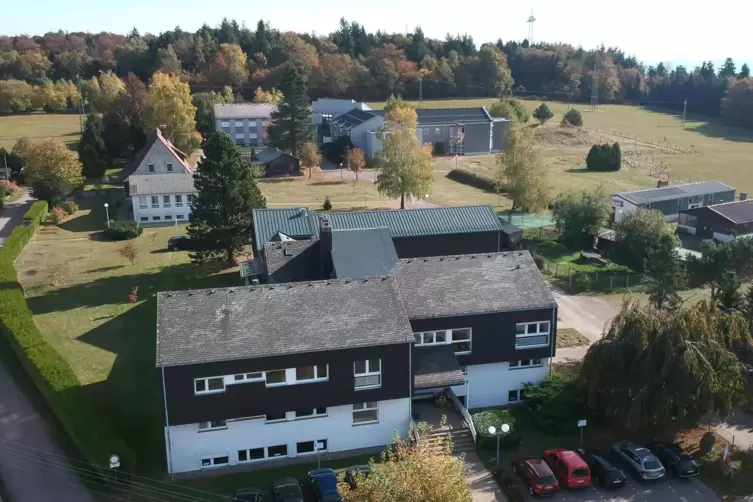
743 195
163 129
325 247
662 183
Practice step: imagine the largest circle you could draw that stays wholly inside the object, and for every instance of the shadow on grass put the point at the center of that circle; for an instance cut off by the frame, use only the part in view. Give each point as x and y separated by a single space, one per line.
328 183
715 130
271 181
104 269
85 223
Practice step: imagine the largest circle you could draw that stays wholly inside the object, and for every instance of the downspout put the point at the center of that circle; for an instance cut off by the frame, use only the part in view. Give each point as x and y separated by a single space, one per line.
552 339
167 426
410 383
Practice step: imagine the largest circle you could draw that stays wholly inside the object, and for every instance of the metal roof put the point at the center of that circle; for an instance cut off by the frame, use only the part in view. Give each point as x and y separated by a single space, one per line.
361 253
437 116
737 212
673 192
251 268
269 154
243 110
291 221
354 117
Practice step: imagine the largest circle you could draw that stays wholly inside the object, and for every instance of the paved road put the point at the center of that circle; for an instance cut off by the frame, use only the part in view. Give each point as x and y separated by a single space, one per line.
666 490
25 470
588 314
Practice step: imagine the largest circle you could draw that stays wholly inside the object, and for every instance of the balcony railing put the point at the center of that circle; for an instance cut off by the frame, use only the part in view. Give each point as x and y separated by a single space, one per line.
368 381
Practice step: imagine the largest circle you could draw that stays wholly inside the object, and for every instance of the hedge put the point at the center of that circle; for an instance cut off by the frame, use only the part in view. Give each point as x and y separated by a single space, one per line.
496 417
123 230
473 179
49 371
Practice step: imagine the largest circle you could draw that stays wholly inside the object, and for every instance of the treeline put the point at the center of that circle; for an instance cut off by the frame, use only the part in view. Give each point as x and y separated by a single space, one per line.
370 66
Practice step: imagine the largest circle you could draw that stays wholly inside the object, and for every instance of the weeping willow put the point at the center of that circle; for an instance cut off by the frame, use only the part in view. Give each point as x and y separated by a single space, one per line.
655 367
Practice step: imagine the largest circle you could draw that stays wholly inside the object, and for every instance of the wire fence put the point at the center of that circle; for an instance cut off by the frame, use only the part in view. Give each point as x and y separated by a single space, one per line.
528 220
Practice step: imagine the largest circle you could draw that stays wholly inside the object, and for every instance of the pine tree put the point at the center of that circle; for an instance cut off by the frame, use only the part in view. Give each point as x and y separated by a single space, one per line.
665 274
221 221
543 113
91 148
291 122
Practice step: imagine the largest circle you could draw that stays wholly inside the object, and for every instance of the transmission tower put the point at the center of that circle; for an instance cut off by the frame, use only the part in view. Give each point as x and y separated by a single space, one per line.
595 88
530 22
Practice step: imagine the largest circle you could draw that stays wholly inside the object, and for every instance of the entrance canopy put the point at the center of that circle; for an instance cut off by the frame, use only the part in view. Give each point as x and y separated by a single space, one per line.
435 367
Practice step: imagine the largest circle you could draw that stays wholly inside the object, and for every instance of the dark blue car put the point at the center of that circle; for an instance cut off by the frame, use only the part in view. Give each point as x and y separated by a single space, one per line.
323 482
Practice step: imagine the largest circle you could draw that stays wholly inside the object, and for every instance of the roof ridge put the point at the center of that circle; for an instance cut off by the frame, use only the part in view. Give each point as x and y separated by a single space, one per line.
377 279
672 186
469 256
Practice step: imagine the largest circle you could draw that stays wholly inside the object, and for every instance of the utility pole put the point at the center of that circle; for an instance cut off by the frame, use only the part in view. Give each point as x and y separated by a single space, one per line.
684 111
420 88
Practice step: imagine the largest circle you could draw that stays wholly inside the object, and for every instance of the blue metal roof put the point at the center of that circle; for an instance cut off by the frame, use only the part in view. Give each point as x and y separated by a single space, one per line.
291 221
362 253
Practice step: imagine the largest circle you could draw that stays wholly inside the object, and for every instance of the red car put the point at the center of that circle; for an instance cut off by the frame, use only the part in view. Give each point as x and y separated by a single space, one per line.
569 467
536 475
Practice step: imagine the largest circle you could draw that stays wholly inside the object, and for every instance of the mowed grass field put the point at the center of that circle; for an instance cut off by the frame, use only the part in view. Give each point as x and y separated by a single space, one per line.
38 126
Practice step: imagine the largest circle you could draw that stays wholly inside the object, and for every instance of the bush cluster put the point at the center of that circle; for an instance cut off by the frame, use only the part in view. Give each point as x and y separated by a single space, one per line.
555 405
573 117
473 179
604 158
122 230
335 151
49 371
482 420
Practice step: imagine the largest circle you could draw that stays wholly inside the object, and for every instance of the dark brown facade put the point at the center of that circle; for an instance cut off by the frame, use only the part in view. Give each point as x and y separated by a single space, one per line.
445 245
284 165
708 221
252 399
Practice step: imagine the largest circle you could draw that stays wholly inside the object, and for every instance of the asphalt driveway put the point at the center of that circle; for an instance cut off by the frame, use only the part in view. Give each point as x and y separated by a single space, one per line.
664 490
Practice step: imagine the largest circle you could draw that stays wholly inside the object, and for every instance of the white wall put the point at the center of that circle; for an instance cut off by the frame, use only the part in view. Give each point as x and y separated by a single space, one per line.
160 155
489 384
722 237
686 229
188 445
358 133
621 208
161 211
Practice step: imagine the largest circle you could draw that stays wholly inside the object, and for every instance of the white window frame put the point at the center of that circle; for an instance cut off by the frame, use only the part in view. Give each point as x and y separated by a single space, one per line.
518 365
169 166
238 123
287 451
448 339
248 377
206 386
368 377
275 384
528 334
316 378
363 407
213 458
167 201
426 130
225 123
178 201
180 217
249 460
150 167
315 450
517 396
212 425
436 130
155 205
240 135
315 414
143 202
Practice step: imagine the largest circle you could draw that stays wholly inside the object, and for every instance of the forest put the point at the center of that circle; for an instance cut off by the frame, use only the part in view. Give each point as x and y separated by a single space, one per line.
42 72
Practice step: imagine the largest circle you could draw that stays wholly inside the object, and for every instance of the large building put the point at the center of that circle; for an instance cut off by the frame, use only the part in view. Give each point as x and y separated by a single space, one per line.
460 131
671 200
246 123
324 110
256 373
720 222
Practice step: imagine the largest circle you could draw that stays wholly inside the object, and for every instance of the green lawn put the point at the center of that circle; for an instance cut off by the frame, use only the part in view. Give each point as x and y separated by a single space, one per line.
109 342
37 126
566 259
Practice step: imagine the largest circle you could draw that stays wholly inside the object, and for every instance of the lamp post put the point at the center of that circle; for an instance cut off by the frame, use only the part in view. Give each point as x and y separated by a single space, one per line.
503 429
341 171
107 213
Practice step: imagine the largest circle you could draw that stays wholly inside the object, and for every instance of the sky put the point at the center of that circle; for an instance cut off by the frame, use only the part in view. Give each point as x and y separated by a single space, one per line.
652 30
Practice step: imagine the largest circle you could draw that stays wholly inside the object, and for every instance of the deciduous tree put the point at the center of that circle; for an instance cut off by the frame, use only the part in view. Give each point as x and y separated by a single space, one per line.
170 105
665 276
124 132
405 168
110 88
637 233
272 96
578 216
220 221
310 156
204 103
737 105
291 122
355 159
52 170
521 173
230 66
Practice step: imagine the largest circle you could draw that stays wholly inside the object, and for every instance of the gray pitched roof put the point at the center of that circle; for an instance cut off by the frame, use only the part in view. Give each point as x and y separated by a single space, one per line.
436 367
292 261
672 192
437 116
291 221
471 284
362 253
241 323
737 212
269 154
157 184
243 110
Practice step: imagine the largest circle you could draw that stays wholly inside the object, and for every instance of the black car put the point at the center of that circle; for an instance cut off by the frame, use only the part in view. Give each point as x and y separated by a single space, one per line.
352 474
323 482
603 471
287 490
250 494
674 458
179 243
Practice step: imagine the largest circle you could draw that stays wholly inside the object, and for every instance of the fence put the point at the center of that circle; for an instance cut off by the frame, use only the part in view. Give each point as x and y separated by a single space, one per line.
572 279
528 220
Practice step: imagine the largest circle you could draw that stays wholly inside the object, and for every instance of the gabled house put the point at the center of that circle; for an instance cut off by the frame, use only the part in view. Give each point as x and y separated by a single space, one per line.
159 182
278 163
671 200
721 222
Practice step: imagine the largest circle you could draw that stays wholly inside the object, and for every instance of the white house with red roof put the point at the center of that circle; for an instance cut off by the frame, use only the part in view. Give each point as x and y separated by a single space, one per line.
159 182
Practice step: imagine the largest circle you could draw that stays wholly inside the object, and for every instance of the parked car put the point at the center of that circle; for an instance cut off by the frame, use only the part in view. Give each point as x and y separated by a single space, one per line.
603 472
352 474
324 484
536 475
250 494
568 467
639 459
179 243
674 458
287 490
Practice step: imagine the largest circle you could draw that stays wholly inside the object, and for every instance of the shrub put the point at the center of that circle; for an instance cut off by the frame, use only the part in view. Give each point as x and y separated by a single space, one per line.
58 215
258 170
573 117
439 148
122 230
543 113
327 206
335 151
7 188
69 206
604 158
473 179
36 213
520 110
496 417
555 404
129 251
502 109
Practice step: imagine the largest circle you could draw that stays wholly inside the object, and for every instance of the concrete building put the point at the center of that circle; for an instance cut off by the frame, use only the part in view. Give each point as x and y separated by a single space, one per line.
246 123
326 109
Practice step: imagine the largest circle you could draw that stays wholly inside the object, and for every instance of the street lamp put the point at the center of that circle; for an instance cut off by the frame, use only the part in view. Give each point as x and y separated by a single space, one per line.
341 171
503 429
107 212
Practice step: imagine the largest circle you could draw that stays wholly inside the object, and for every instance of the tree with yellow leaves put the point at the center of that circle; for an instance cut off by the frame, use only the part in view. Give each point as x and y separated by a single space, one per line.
355 159
52 169
230 66
406 169
273 96
169 104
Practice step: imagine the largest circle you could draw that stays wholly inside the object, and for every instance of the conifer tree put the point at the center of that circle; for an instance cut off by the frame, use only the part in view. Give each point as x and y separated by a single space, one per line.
291 122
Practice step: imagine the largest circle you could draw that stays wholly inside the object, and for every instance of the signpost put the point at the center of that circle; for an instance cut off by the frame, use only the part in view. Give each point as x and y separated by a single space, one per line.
114 461
318 445
581 425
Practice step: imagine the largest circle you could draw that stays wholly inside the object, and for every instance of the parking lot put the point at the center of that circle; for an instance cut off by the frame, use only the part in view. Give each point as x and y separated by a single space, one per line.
664 490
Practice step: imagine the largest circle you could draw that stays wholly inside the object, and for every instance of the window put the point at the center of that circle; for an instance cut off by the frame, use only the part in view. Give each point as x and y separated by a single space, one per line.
225 124
531 335
275 417
238 123
239 135
277 451
311 373
168 216
311 446
436 130
142 202
240 141
460 339
426 130
215 460
248 377
525 363
210 385
251 455
178 201
151 168
166 200
252 135
213 425
144 218
169 167
190 197
368 374
155 201
180 217
464 370
365 413
155 218
275 377
316 412
512 396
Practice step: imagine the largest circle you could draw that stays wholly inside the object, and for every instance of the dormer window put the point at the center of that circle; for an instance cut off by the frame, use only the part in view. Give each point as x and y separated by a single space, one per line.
169 167
151 168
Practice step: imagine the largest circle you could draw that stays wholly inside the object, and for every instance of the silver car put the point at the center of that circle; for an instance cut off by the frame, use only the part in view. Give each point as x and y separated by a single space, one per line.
640 459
